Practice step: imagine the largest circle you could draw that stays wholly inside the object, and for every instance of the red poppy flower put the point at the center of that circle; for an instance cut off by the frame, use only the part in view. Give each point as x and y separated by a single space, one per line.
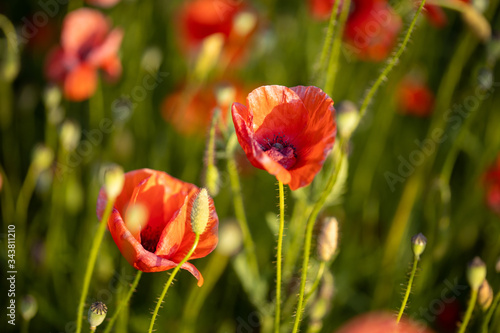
190 112
321 9
167 236
286 131
381 322
199 19
87 44
492 183
372 29
414 97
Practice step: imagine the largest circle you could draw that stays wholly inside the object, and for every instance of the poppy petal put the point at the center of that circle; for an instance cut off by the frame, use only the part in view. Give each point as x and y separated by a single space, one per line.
107 49
83 29
80 83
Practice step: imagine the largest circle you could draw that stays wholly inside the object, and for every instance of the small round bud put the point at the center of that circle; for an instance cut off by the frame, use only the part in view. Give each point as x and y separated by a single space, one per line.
230 238
212 180
418 244
476 273
328 239
29 307
485 296
43 157
200 213
97 313
152 58
52 96
136 218
70 135
113 181
347 118
244 23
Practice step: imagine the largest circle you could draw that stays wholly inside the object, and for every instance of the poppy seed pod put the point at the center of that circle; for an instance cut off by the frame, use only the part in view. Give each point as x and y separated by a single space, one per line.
418 244
113 181
200 212
97 314
476 273
328 239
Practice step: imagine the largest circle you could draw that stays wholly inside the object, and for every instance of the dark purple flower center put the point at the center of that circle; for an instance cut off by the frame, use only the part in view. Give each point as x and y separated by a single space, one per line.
150 238
281 151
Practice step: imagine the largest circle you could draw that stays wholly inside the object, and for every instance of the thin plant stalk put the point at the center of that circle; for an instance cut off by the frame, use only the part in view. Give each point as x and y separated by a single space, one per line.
336 46
308 238
408 289
489 314
470 308
91 262
124 302
319 276
277 314
169 282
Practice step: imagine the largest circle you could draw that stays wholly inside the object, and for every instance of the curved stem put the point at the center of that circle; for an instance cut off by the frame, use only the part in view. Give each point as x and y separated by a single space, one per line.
390 65
277 314
334 57
124 302
470 308
316 282
308 238
91 263
408 289
169 282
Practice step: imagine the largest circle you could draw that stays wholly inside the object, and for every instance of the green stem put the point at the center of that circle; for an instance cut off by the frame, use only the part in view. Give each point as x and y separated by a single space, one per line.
390 65
408 289
308 238
124 302
321 270
470 308
92 329
91 263
239 208
277 315
489 314
329 38
336 46
169 282
25 194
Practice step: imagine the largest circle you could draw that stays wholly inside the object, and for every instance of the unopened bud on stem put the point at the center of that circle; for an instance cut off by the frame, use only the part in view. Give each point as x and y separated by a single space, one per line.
97 314
476 273
328 239
418 244
485 296
200 213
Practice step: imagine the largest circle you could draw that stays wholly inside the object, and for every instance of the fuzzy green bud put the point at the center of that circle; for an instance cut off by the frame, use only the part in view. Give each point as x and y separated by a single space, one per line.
70 134
485 296
328 239
97 314
113 181
43 157
200 213
29 307
476 273
212 180
347 118
418 244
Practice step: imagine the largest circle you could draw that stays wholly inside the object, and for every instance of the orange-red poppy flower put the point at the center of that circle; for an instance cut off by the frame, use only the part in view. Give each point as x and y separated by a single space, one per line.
372 30
190 111
381 322
321 9
492 184
199 19
286 131
166 238
414 97
87 44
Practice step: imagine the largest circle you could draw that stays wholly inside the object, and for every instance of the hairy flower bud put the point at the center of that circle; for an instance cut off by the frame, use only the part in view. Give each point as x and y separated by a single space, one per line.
485 296
200 212
97 313
328 239
70 135
418 244
113 181
476 273
347 118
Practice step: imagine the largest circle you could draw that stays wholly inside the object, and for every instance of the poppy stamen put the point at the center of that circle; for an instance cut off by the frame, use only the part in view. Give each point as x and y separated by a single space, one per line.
280 150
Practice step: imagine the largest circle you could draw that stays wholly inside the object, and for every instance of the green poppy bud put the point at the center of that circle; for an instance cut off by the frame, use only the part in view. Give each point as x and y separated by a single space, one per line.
476 273
418 244
200 213
97 314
